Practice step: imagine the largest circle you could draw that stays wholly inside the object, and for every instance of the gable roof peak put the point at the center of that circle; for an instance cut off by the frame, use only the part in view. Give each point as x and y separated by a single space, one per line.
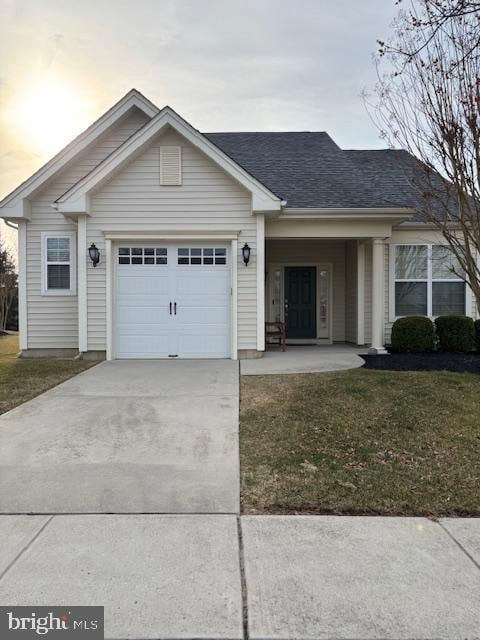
12 203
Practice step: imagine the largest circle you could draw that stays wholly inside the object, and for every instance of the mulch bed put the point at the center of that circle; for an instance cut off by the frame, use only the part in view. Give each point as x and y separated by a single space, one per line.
456 362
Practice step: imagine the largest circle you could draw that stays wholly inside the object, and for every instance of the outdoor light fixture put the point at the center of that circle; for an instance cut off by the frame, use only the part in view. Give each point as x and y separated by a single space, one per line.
246 254
94 254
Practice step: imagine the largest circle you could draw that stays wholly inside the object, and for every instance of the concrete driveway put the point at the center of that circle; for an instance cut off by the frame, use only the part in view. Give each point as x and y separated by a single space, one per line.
126 437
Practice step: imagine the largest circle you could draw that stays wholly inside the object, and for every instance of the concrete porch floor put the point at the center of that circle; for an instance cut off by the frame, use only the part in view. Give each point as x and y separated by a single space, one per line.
305 359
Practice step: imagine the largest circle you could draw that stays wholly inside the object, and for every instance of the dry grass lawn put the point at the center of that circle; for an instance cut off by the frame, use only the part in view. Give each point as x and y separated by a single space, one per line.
361 442
22 380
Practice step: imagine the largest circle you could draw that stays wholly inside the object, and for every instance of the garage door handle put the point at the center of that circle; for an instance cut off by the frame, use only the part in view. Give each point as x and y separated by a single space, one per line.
175 308
170 308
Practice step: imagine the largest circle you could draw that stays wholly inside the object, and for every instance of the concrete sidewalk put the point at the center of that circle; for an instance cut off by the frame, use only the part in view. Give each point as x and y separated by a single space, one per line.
279 577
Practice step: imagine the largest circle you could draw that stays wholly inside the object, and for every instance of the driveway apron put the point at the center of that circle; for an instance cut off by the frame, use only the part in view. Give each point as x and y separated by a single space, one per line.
126 437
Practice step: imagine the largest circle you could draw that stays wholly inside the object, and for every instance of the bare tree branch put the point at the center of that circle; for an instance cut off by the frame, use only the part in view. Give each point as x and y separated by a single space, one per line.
428 103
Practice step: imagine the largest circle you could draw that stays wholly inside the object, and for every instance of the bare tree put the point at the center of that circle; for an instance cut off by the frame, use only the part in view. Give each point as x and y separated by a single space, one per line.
430 17
428 103
8 285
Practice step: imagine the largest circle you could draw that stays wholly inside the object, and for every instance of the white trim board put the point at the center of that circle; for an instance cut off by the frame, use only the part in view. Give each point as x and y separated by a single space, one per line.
260 282
82 284
22 286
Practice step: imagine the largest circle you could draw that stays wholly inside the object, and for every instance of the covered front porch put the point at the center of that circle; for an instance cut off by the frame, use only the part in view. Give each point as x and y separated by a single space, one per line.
324 290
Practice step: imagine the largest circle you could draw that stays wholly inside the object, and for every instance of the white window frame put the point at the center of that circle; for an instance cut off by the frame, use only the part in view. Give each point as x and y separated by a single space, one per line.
72 290
429 279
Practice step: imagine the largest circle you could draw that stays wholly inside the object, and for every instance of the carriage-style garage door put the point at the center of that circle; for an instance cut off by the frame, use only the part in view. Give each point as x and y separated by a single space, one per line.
172 301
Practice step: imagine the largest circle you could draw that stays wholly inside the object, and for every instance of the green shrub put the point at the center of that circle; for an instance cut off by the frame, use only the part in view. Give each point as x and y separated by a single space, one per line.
477 334
413 333
455 333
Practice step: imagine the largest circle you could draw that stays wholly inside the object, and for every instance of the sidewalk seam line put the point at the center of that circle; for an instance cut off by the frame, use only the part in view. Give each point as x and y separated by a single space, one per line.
25 548
243 580
459 544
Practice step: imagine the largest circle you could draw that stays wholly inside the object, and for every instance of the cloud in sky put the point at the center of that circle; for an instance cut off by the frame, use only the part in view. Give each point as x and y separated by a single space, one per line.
225 65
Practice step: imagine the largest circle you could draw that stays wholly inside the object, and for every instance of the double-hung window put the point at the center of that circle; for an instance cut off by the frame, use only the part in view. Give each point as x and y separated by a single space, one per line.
58 264
426 281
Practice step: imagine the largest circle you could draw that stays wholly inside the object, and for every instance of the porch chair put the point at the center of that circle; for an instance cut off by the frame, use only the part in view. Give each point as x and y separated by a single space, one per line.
275 331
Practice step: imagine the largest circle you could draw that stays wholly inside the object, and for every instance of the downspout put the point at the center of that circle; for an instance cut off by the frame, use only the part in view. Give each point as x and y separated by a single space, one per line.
11 225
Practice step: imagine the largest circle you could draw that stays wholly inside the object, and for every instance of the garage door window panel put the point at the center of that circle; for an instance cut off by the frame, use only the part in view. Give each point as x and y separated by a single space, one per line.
202 256
142 255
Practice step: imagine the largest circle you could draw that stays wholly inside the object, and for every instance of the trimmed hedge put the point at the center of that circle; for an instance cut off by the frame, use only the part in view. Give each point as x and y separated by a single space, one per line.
413 333
477 334
455 333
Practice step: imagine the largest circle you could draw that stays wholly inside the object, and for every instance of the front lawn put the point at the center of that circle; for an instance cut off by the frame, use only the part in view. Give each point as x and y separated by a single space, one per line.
361 442
21 380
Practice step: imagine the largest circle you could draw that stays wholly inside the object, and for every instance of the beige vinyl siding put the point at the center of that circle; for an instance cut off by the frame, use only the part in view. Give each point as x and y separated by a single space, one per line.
207 200
351 291
314 251
53 320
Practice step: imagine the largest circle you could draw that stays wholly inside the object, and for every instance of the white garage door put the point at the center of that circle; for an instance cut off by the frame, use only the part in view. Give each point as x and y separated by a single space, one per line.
172 301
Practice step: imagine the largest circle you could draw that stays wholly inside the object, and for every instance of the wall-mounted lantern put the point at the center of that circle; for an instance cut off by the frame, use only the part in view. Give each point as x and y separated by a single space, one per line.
94 254
246 254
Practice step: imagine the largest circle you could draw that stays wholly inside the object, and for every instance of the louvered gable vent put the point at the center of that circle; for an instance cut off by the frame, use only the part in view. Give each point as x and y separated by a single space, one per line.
170 166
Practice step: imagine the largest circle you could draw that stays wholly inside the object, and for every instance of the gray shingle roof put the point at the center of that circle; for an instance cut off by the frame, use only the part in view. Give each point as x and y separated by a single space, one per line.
308 169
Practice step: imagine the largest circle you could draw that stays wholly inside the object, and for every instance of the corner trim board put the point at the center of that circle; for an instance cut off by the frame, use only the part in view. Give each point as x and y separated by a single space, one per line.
22 285
260 282
82 284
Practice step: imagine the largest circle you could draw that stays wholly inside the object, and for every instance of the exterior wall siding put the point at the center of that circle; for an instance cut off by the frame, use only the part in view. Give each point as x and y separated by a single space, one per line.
53 320
208 200
304 251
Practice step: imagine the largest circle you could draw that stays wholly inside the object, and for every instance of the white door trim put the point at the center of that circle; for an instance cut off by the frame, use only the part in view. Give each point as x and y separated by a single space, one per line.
234 297
111 263
319 266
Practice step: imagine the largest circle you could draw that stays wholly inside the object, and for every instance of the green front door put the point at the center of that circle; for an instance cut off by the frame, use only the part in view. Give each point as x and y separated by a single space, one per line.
301 302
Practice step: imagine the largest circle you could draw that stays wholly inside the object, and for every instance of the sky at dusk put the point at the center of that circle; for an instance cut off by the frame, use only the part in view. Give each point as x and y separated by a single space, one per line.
224 65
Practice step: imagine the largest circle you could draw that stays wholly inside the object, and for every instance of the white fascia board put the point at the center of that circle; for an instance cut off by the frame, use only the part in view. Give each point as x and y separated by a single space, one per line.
39 178
172 234
262 198
354 213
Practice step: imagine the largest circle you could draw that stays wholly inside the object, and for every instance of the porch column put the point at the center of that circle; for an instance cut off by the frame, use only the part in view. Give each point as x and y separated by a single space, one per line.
378 296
